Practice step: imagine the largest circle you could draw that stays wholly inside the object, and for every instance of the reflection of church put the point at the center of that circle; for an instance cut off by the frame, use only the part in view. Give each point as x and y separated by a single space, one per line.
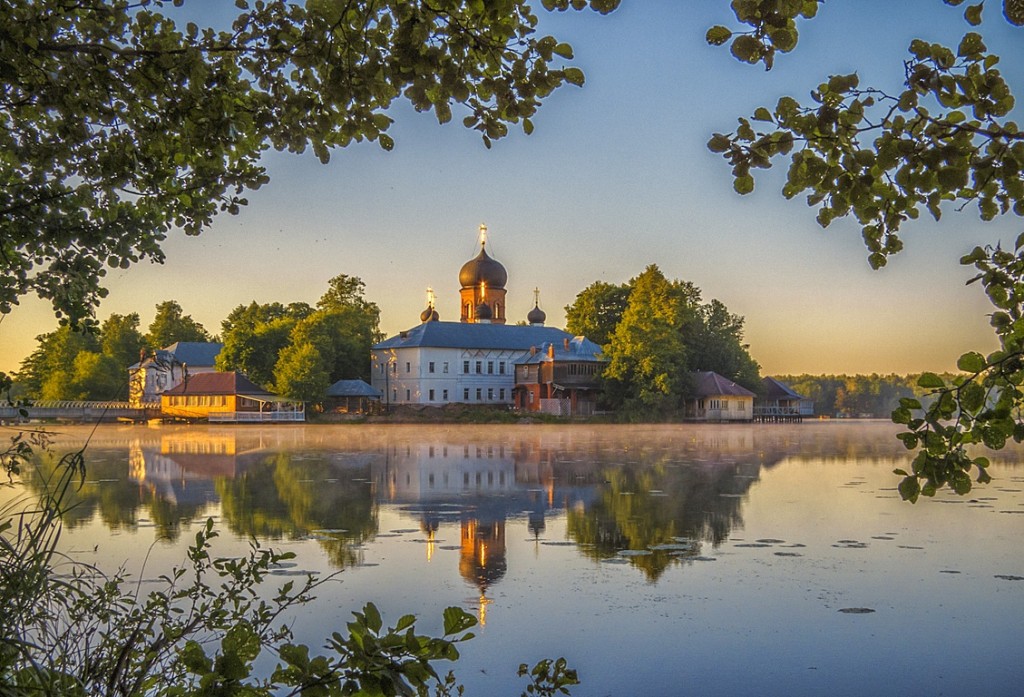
473 360
479 487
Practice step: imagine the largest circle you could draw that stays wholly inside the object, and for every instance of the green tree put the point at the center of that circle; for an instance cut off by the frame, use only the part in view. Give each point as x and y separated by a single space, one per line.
716 343
596 311
647 356
95 376
301 373
121 340
945 141
48 372
119 126
254 336
171 324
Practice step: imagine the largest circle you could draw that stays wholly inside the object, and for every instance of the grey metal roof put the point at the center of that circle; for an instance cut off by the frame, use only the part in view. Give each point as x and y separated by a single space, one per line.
195 353
353 388
475 336
711 384
580 349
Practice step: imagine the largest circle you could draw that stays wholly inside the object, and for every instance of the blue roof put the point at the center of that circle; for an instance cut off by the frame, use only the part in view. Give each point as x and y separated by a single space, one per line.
353 388
580 349
193 353
475 336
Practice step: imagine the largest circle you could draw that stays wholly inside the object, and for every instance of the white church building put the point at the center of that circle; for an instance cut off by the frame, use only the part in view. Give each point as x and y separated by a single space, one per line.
470 361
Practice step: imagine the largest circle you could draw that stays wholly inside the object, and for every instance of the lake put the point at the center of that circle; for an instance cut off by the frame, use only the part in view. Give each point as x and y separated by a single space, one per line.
659 560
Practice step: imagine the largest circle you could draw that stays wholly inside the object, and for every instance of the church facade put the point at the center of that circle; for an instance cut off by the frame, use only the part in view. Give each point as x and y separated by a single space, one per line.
471 361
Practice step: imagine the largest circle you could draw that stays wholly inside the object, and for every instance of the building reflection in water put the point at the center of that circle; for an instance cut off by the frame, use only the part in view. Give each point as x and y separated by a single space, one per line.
662 494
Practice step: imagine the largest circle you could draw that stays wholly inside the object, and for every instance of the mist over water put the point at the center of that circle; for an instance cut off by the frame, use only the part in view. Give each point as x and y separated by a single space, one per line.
659 560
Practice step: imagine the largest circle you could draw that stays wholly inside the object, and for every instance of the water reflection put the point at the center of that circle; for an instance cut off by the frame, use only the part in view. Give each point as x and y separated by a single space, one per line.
592 543
649 497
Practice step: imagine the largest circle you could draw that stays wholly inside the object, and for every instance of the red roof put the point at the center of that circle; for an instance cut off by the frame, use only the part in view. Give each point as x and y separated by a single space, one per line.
217 383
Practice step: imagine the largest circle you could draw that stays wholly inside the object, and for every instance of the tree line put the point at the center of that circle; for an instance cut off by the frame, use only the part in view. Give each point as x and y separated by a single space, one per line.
296 350
654 333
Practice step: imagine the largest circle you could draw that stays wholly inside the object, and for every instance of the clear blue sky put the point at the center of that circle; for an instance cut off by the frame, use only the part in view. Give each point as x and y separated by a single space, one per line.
615 177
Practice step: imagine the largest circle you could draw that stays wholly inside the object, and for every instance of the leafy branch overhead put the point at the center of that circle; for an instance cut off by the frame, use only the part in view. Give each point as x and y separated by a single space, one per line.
119 126
945 140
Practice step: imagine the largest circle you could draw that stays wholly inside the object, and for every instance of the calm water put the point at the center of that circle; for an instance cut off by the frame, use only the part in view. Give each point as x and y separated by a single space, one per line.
706 560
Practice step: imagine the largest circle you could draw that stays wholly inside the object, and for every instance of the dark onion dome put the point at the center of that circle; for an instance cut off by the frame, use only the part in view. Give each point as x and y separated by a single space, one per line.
483 311
536 315
429 315
483 269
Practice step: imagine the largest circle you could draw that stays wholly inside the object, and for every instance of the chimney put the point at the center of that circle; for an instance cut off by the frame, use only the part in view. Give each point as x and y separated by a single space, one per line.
551 350
533 350
566 343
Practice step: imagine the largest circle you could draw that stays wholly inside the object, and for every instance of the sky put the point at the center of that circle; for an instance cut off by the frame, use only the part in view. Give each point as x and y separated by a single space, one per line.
615 177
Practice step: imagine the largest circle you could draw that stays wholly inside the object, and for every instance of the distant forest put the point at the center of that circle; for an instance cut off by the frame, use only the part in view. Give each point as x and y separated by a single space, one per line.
854 395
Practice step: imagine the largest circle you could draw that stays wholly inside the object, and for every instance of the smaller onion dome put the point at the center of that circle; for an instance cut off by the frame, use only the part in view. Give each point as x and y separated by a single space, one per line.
429 315
536 315
483 312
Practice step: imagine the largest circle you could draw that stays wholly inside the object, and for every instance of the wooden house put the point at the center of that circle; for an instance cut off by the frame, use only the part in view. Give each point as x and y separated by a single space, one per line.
780 403
715 398
560 378
226 397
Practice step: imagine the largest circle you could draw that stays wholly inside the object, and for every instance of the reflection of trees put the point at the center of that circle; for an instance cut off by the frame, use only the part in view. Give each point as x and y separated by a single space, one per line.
110 493
283 496
646 505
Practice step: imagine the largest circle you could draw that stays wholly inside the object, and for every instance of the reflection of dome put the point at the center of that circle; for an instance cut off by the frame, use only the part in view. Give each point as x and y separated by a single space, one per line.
484 270
536 315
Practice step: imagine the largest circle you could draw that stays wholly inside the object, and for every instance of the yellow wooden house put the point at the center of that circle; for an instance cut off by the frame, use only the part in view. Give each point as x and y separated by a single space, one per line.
227 397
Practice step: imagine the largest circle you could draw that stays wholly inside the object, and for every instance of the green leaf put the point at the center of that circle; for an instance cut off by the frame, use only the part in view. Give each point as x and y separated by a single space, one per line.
743 184
930 381
457 620
718 35
373 618
971 362
574 76
910 489
719 143
564 50
973 14
747 49
762 114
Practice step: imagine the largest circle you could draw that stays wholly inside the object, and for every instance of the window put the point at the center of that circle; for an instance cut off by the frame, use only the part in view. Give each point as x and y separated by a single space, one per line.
430 367
394 368
431 395
479 367
444 368
490 367
478 392
501 394
408 367
407 396
490 394
741 406
381 368
465 366
444 395
465 394
501 367
394 395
